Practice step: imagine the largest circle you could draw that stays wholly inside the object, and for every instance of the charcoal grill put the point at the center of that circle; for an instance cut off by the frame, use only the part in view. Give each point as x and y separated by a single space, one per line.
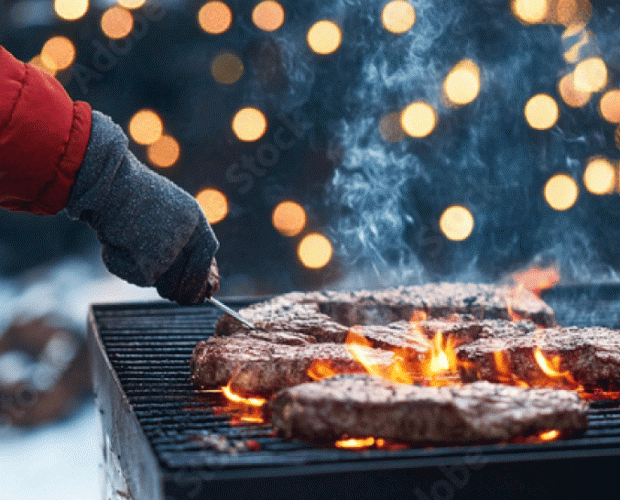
159 431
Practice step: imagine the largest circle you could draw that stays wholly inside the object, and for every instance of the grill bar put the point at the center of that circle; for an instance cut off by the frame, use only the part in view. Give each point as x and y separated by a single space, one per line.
171 440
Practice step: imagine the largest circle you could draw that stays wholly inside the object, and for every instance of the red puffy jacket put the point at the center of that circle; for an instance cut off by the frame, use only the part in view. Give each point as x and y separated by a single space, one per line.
43 138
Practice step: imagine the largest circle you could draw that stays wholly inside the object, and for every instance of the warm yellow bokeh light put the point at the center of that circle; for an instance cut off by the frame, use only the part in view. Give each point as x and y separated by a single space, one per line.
289 218
70 10
324 37
38 62
591 75
570 95
214 204
131 4
599 176
249 124
58 53
541 112
609 106
398 16
164 152
146 127
117 22
462 84
268 15
215 17
418 119
530 11
390 128
561 192
314 251
227 68
456 223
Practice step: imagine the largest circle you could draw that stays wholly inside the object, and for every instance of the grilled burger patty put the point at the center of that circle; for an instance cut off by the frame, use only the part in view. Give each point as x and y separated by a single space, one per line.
361 405
327 315
591 355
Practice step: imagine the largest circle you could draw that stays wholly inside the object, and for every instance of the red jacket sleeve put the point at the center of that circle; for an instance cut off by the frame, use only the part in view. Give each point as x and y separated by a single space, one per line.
43 138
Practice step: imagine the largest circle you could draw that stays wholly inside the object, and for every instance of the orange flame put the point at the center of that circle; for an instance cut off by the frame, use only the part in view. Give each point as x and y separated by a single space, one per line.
505 375
236 398
355 443
549 435
320 369
551 367
536 279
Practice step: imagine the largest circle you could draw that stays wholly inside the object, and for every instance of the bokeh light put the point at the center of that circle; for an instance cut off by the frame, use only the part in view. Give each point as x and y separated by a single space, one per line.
574 39
462 84
324 37
214 204
573 12
541 112
591 75
456 223
227 68
390 128
561 192
418 119
70 10
164 152
609 106
569 94
215 17
145 127
599 176
398 16
116 22
314 251
530 11
131 4
289 218
249 124
38 62
58 53
268 15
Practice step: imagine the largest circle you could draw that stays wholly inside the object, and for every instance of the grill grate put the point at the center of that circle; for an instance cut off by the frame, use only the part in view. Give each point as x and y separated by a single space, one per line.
182 438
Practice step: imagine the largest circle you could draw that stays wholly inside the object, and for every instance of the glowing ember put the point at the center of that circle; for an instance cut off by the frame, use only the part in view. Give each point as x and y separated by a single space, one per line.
321 369
536 279
355 443
551 367
549 435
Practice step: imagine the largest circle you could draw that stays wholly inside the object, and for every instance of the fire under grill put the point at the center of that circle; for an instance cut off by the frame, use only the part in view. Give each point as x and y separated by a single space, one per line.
165 439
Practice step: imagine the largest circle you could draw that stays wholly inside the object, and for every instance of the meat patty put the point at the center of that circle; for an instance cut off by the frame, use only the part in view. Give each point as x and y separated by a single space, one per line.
256 367
327 315
591 355
361 406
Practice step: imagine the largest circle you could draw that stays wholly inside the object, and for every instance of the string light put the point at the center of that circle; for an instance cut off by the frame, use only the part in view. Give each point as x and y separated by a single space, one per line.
418 119
215 17
58 53
289 218
462 84
541 112
314 251
145 127
70 10
591 75
249 124
116 22
530 11
561 192
456 223
214 204
324 37
398 16
609 106
164 152
227 68
268 15
599 176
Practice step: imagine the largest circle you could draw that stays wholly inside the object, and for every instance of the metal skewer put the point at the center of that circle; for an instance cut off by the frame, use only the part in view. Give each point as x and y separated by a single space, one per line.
232 313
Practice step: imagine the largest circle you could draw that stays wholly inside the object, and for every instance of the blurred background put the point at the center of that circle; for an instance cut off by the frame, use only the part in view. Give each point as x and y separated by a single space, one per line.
331 143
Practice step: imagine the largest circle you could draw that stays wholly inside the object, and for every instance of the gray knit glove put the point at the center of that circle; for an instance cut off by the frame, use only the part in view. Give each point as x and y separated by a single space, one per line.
153 233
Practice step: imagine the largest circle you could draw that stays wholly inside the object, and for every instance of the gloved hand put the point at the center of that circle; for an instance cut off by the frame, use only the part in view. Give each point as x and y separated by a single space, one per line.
152 231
